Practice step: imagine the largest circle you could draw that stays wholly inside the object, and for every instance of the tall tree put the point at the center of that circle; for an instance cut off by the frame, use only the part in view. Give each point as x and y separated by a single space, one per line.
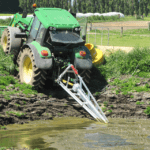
110 5
131 8
106 6
121 6
117 6
65 4
88 7
51 4
69 4
97 6
37 3
146 6
126 7
141 7
83 6
79 5
92 6
136 6
74 6
102 6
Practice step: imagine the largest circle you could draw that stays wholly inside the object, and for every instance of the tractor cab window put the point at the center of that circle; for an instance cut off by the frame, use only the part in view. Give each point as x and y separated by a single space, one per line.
41 31
66 36
35 27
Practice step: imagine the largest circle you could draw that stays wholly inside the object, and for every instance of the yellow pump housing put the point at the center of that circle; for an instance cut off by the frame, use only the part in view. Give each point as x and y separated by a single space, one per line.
97 54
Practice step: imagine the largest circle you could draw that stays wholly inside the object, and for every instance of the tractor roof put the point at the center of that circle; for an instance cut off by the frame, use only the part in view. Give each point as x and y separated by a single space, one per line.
56 17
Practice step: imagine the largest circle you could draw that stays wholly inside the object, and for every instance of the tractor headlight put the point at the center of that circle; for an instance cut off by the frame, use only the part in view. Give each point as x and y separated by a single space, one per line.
78 29
52 28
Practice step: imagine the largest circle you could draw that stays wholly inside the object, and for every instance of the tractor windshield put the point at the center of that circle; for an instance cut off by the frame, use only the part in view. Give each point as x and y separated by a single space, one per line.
65 36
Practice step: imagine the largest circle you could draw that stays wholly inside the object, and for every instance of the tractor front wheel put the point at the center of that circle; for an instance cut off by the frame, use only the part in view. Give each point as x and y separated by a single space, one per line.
28 72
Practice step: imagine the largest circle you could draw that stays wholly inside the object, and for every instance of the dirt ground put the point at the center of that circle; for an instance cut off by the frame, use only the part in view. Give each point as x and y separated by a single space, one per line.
117 25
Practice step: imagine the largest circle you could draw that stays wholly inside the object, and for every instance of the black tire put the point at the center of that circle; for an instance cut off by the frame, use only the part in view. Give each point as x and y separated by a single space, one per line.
28 72
10 44
86 75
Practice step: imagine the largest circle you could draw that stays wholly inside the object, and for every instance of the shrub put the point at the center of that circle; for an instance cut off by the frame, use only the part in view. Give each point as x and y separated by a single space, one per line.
110 111
105 104
111 106
147 111
103 109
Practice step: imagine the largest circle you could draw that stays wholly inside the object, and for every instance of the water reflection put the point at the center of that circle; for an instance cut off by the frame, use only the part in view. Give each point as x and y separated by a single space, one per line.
78 133
105 140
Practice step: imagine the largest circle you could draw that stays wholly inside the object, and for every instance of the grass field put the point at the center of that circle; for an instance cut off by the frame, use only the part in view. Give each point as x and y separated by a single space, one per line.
130 38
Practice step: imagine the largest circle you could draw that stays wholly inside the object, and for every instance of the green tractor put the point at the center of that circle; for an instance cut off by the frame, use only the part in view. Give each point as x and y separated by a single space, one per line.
43 45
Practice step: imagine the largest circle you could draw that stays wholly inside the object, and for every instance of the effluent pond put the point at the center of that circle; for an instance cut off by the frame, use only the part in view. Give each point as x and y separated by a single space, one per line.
78 133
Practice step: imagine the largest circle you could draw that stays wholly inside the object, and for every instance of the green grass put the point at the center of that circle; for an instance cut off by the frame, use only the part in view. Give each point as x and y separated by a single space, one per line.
129 85
95 19
115 39
139 103
135 63
97 93
59 114
11 148
17 105
119 63
111 106
2 127
5 22
105 104
7 67
110 111
15 113
147 111
104 109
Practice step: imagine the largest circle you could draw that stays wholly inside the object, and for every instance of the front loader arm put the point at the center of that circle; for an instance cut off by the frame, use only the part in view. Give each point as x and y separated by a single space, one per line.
18 20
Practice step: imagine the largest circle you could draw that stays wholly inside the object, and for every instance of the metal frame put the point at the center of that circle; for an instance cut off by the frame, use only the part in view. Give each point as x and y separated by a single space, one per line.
87 101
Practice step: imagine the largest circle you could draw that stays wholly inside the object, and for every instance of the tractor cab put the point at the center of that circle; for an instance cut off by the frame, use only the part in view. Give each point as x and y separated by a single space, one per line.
61 30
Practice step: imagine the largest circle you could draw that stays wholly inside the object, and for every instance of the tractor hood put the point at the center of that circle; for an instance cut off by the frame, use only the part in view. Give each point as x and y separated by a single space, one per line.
65 37
56 17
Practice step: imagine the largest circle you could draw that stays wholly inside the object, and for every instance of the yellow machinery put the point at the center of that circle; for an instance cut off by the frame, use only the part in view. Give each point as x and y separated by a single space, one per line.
97 54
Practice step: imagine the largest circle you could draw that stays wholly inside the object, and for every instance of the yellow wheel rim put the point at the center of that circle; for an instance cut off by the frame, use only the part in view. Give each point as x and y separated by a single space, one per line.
27 69
5 42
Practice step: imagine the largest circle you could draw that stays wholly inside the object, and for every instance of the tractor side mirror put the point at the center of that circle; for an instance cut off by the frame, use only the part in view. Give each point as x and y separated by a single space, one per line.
24 14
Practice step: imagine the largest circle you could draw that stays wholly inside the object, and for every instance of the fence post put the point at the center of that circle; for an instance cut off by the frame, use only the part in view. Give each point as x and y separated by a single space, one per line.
95 36
88 36
102 36
108 36
121 31
148 26
91 26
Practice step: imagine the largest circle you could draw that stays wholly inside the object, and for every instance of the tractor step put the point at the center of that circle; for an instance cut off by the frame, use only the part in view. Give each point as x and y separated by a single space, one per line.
85 99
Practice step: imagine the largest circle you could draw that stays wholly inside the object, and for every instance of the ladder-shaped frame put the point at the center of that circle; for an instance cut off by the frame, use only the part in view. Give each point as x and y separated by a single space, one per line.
87 101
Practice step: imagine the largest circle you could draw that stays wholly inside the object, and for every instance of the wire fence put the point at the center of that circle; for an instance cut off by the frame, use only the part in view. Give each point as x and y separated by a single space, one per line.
101 35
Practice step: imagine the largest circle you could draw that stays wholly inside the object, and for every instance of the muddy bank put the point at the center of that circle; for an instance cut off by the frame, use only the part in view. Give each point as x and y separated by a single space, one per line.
21 108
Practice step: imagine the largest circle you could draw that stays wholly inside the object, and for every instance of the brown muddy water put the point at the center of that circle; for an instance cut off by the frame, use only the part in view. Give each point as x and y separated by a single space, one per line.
78 133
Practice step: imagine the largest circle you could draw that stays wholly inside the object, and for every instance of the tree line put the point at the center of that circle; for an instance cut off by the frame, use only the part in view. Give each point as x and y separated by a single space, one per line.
127 7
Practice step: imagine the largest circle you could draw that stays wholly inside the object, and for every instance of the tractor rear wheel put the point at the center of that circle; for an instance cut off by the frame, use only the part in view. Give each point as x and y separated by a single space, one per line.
86 75
28 72
10 44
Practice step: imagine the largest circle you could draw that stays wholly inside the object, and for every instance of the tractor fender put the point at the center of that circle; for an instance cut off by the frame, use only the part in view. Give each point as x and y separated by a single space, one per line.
86 63
41 63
